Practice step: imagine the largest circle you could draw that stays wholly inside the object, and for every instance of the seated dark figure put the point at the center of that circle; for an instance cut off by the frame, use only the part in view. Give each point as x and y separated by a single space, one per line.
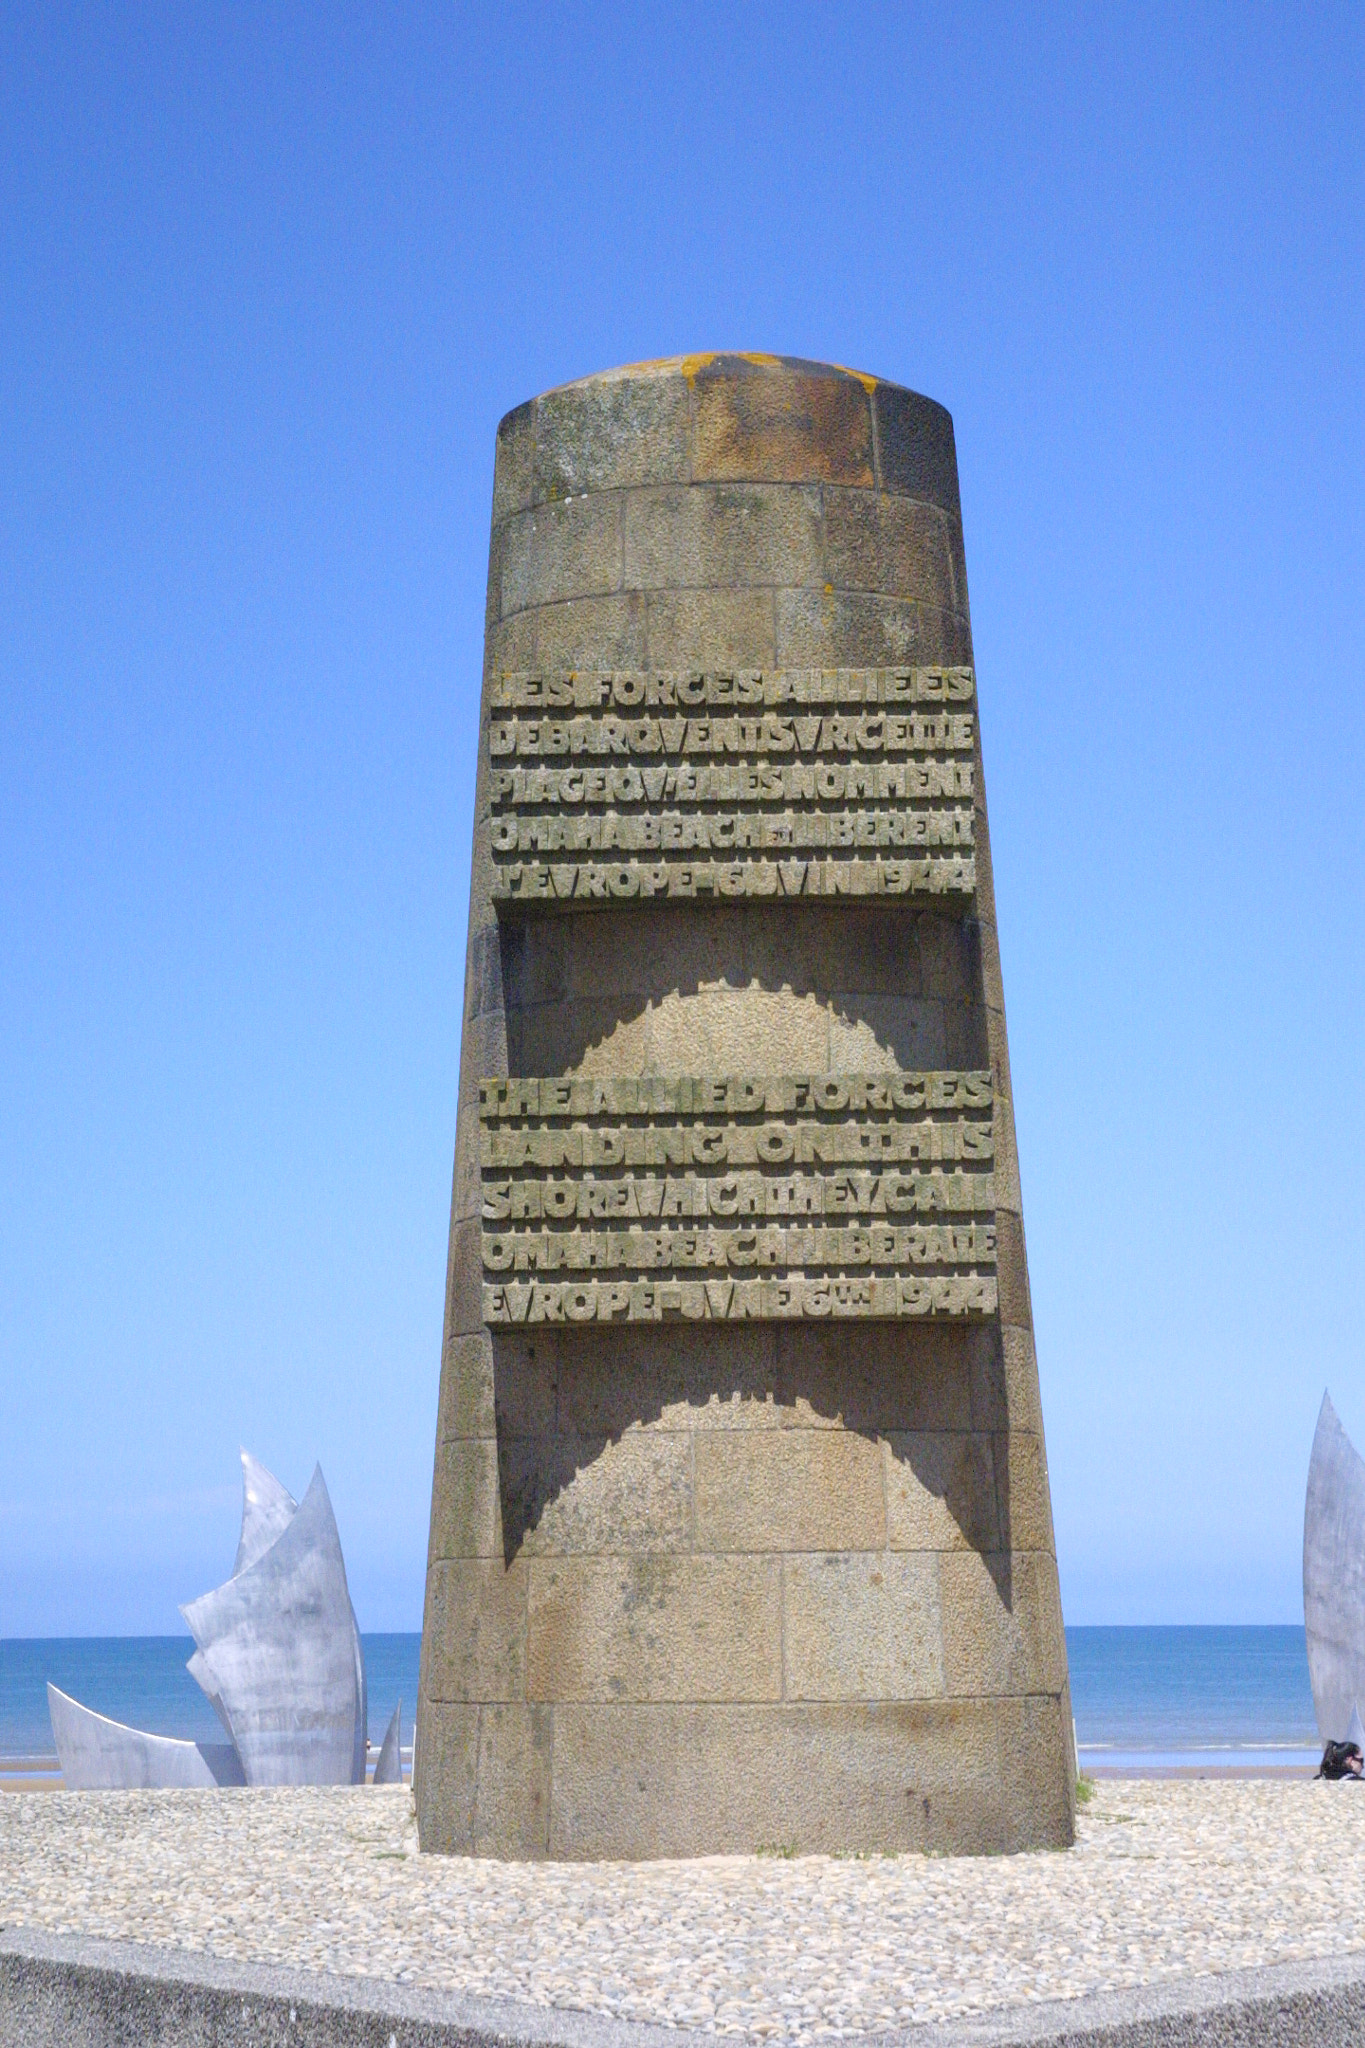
1341 1760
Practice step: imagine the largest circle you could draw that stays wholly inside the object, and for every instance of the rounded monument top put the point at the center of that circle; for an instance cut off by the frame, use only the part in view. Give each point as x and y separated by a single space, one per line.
725 417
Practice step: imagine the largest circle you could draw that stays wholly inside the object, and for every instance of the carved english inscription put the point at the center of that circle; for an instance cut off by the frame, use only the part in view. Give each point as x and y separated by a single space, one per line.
789 782
747 1196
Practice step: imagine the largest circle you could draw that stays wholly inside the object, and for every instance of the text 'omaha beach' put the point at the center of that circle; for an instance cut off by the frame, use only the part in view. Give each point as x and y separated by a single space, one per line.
801 782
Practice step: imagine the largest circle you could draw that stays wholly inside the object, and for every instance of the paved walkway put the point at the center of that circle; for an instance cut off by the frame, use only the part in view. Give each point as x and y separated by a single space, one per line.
1167 1879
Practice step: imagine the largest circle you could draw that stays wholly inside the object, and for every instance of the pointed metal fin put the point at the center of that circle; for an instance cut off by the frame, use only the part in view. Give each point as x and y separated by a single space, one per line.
389 1769
279 1654
1334 1574
267 1510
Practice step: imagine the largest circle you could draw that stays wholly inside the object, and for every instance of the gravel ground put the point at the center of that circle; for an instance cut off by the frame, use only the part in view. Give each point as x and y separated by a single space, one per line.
1167 1879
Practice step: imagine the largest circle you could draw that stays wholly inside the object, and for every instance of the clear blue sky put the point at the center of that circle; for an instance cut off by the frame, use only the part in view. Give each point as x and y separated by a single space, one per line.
268 280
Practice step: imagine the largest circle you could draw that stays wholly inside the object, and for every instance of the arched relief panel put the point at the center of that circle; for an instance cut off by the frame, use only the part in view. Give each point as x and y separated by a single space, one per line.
595 1432
886 988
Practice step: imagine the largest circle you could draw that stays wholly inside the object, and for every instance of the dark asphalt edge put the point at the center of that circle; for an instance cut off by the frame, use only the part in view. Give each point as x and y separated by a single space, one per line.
85 1993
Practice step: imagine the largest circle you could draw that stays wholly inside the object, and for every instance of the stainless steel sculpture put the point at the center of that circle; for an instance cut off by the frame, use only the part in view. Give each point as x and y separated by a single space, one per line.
267 1510
389 1769
102 1755
1334 1576
278 1653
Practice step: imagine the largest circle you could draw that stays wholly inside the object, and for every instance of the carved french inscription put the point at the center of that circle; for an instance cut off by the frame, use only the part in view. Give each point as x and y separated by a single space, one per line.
792 782
744 1196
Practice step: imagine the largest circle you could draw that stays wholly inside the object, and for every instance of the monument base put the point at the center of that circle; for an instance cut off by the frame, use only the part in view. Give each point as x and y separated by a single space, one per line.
633 1782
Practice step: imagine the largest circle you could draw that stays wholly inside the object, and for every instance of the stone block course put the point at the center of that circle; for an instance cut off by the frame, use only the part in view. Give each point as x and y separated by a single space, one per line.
916 452
680 1379
890 1379
1006 1166
476 1625
1012 1268
884 1034
559 551
788 424
990 1386
571 1494
466 1404
554 1037
749 1031
464 1300
789 1489
511 643
862 1627
985 880
704 534
584 632
466 1519
966 1039
950 967
595 437
511 1812
445 1793
998 1630
888 545
849 950
641 1780
1020 1367
527 1382
653 953
822 628
646 1627
1022 1490
710 628
514 464
483 978
940 1490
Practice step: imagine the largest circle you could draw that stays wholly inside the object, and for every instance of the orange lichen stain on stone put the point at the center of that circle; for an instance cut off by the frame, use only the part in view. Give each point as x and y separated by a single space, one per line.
649 363
691 366
868 383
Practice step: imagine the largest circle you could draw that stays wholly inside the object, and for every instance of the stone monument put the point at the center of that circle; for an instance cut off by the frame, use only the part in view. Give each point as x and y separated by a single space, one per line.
740 1533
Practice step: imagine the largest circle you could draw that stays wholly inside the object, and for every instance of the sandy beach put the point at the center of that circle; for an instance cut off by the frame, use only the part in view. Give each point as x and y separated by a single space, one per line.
31 1774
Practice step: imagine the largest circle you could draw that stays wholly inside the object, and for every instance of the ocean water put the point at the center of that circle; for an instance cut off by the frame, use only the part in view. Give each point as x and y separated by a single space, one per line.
1151 1698
1142 1697
142 1680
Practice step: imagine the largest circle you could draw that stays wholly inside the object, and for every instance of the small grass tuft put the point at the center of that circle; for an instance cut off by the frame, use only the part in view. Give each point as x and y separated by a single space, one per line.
786 1850
1085 1790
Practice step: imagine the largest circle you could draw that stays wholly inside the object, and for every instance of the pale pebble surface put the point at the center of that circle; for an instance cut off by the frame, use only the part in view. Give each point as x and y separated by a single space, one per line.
1167 1879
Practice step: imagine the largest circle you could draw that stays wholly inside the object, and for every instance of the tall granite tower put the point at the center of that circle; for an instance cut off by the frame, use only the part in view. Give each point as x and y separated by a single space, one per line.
740 1532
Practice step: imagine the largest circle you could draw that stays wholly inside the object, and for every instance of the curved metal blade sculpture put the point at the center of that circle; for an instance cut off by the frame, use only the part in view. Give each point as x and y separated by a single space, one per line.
100 1755
1334 1576
277 1651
